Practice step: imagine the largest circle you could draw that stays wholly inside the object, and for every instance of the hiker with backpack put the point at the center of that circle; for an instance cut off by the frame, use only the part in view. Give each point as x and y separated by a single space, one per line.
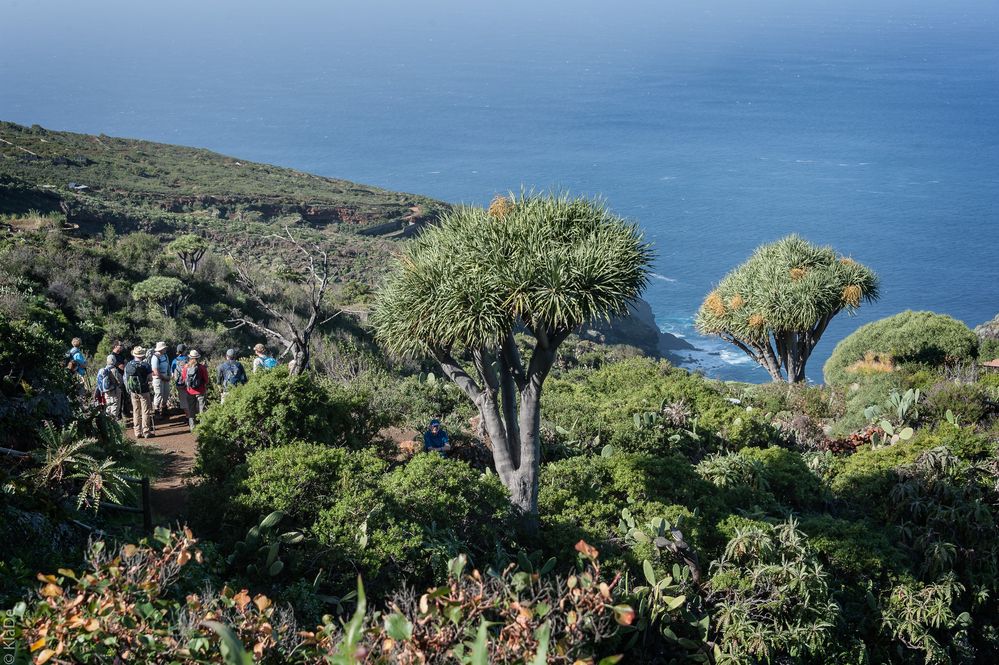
263 359
231 373
137 383
75 354
177 372
160 365
195 377
109 387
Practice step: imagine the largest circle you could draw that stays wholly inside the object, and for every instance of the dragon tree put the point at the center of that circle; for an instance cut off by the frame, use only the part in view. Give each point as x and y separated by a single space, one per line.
539 263
776 306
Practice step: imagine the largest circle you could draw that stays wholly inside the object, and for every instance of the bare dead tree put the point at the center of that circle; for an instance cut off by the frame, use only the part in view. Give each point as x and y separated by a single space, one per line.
289 327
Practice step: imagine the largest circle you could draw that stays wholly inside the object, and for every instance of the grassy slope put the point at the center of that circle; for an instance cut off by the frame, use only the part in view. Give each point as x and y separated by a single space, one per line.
146 183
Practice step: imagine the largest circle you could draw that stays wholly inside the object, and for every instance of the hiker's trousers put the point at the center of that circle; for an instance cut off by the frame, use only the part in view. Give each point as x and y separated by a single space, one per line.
142 414
113 404
182 400
161 393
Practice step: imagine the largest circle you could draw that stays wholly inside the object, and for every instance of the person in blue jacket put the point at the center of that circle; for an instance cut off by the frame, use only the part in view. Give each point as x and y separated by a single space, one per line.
435 439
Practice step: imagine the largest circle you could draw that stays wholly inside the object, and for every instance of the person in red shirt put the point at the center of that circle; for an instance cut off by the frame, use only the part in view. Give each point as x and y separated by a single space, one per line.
195 379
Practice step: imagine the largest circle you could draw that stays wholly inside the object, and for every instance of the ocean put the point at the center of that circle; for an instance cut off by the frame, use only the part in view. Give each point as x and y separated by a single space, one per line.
717 126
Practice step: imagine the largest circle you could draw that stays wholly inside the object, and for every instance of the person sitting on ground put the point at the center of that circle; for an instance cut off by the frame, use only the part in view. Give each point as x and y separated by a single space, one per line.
137 383
76 354
109 386
231 373
160 364
195 376
263 360
177 372
435 439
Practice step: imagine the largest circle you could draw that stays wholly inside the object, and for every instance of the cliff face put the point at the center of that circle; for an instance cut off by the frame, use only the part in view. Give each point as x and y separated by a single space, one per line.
638 328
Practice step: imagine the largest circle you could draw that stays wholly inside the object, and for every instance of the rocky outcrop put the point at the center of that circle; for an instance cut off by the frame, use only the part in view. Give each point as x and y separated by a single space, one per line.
637 328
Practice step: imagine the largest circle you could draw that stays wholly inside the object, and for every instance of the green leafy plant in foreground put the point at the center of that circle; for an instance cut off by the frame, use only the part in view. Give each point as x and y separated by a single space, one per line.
261 548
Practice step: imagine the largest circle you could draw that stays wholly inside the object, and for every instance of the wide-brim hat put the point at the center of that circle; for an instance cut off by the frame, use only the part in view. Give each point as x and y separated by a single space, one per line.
260 348
138 352
161 346
194 354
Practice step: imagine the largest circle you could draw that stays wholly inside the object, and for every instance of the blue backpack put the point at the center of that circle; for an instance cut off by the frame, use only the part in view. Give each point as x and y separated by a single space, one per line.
106 380
232 374
269 362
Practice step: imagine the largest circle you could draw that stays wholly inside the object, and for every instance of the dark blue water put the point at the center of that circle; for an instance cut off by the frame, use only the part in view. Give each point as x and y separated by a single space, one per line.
716 127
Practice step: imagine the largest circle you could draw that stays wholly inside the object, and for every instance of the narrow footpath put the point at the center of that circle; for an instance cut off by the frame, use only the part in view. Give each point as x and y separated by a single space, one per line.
176 446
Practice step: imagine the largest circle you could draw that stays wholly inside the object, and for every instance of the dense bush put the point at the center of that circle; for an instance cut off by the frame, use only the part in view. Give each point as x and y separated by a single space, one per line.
411 521
967 402
604 402
302 479
907 337
34 386
582 497
274 409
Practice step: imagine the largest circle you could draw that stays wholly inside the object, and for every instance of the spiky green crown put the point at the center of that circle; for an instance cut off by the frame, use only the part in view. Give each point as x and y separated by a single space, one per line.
786 285
550 261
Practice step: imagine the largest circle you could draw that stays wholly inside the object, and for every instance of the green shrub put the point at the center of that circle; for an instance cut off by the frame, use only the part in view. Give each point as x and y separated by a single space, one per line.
301 479
603 403
415 519
34 386
787 476
988 349
967 402
798 398
582 497
855 551
864 479
907 337
274 409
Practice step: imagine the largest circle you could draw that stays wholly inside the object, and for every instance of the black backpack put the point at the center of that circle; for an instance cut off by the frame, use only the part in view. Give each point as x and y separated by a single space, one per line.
193 380
137 377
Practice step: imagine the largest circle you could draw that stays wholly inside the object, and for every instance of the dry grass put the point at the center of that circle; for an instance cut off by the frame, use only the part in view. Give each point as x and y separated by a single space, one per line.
757 321
872 363
798 273
736 302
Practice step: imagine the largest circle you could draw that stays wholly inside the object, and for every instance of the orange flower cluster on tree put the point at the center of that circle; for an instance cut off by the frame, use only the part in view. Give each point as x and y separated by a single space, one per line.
500 206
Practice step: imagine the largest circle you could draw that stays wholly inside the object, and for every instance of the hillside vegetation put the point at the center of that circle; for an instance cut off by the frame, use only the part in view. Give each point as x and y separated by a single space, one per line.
676 519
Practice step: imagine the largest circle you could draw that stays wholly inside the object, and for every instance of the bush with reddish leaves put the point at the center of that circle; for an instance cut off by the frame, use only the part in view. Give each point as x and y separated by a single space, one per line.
128 608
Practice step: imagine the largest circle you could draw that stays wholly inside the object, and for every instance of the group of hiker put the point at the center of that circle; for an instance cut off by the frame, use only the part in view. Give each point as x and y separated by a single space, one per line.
141 382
